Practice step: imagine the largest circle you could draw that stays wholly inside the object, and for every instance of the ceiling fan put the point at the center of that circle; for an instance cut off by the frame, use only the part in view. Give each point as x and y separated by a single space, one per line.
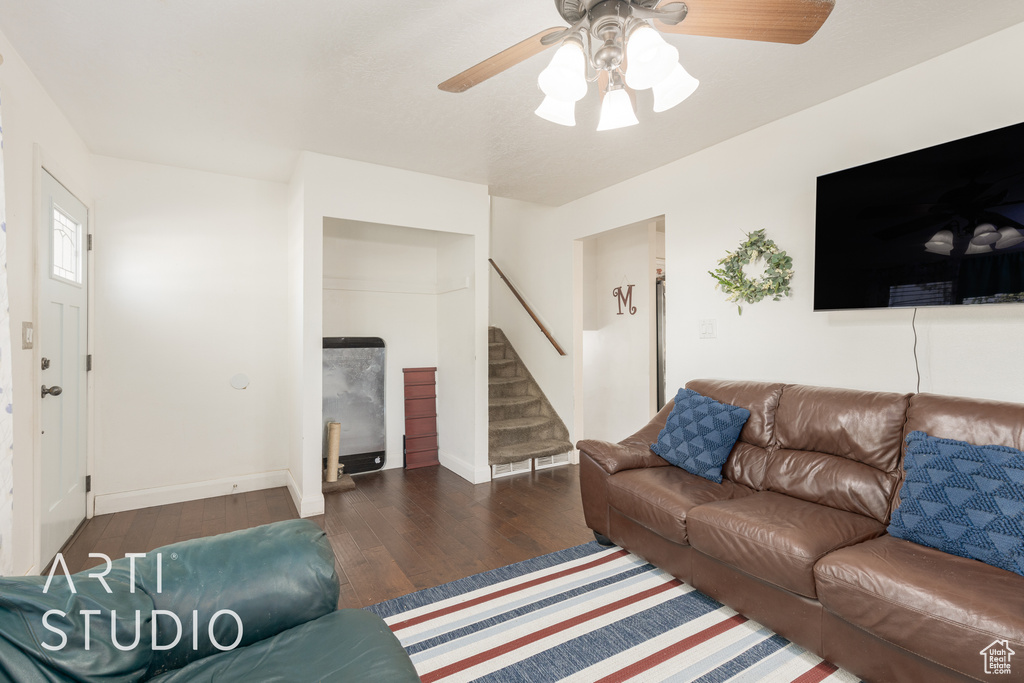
617 43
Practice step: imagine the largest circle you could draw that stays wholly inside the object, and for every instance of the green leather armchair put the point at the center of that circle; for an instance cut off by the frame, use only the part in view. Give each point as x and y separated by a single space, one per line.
252 605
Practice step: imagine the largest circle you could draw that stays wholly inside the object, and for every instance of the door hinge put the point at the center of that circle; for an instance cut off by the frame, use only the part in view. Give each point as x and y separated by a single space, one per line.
88 483
88 363
88 242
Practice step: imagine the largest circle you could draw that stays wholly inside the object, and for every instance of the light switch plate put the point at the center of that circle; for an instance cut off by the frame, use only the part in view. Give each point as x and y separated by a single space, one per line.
708 328
28 336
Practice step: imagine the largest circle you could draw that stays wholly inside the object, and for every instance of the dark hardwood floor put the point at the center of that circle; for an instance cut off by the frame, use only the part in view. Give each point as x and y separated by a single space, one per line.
399 530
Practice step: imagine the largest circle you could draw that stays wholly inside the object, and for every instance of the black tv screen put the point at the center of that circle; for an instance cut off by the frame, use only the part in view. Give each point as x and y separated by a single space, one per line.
939 226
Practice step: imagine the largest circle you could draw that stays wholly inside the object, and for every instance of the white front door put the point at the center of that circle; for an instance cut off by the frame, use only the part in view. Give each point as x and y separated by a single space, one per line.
62 335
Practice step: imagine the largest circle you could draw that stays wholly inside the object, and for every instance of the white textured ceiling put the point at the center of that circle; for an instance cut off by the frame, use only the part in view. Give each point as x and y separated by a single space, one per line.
240 86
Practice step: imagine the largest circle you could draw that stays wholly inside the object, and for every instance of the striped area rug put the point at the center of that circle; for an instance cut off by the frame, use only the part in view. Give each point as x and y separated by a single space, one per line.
589 614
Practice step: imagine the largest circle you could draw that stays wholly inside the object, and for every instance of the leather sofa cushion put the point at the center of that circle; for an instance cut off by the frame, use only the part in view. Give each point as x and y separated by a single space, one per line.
760 398
833 481
946 608
776 538
863 426
346 645
23 603
273 577
838 447
746 463
660 498
977 421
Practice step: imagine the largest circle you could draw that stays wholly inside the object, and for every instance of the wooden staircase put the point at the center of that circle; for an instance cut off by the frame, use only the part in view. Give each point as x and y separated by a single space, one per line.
524 430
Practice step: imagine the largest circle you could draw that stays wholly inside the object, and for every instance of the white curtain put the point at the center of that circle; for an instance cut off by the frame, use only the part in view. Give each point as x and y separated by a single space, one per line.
6 401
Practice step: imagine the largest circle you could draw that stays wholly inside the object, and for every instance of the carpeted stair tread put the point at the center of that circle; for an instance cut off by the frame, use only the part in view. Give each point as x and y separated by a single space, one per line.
527 450
520 422
505 401
506 380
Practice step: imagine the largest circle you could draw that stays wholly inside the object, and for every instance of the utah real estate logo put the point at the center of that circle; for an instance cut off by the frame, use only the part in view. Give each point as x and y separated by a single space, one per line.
997 657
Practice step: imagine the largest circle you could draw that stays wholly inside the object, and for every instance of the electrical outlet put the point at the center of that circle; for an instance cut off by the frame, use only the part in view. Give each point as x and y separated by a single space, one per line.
28 337
708 328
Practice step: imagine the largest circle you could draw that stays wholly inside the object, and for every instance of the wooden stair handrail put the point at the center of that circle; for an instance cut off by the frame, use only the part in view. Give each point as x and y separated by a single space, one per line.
529 310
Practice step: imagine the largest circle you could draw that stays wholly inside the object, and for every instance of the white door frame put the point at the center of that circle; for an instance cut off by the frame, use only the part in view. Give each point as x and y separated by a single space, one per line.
43 162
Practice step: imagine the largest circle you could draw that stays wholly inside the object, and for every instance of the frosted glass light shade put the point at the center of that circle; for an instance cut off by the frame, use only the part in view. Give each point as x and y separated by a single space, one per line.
973 248
677 87
617 111
562 112
940 243
565 78
650 59
985 234
1009 237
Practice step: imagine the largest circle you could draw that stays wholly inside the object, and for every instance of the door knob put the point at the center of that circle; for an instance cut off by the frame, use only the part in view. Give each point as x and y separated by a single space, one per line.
52 391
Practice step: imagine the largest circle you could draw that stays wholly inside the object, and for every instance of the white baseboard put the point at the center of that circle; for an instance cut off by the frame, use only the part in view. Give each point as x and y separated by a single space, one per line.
310 506
474 475
105 504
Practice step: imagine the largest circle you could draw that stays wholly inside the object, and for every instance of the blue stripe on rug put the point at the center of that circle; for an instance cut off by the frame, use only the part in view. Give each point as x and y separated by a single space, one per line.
426 596
768 644
596 646
570 597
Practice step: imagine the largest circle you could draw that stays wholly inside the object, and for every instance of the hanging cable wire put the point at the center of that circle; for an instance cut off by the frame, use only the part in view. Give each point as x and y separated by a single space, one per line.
917 365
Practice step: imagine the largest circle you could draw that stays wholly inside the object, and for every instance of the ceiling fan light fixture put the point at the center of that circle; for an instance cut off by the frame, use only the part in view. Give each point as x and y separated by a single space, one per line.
562 112
1009 237
565 78
674 89
651 60
617 111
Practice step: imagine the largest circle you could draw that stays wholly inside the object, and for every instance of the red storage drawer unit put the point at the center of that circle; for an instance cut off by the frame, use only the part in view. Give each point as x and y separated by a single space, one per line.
420 418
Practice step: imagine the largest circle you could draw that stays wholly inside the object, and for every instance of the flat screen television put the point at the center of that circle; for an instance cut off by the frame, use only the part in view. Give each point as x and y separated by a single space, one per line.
936 227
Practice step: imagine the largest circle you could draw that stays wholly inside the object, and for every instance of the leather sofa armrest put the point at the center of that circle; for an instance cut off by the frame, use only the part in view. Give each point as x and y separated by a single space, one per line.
273 577
649 433
633 452
615 457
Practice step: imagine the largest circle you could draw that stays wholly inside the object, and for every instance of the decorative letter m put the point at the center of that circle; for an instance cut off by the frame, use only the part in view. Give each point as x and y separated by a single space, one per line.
625 299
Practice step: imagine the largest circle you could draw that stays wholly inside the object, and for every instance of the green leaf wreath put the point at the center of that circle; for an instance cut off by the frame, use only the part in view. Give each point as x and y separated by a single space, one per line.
738 287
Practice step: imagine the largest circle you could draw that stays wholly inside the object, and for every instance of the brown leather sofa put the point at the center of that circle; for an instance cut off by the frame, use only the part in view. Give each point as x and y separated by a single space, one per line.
795 535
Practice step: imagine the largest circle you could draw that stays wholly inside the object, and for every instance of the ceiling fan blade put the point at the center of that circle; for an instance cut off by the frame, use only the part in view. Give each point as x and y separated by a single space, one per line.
492 66
773 21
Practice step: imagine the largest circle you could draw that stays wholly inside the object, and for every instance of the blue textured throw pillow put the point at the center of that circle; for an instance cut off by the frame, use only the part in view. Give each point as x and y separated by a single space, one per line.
963 499
700 433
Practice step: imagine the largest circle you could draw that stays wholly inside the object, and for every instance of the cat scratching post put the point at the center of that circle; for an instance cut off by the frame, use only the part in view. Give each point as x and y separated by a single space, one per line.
332 482
333 445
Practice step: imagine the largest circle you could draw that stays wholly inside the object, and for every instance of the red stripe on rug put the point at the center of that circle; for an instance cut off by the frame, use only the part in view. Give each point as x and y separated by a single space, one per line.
671 651
818 673
481 657
505 591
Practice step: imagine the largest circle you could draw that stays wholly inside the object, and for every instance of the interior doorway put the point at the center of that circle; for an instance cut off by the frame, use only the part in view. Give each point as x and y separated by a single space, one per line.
62 234
414 289
617 383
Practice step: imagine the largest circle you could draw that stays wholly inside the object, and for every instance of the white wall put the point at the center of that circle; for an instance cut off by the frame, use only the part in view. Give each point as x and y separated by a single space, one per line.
766 179
329 187
190 285
381 281
618 383
457 324
35 132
